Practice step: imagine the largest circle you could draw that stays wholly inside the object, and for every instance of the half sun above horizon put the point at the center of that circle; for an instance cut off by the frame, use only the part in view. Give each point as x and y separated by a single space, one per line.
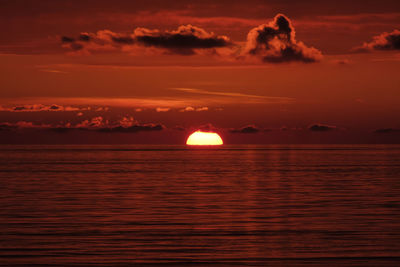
200 138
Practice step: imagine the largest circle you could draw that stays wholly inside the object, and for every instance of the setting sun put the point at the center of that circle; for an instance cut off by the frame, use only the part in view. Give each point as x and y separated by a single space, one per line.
200 138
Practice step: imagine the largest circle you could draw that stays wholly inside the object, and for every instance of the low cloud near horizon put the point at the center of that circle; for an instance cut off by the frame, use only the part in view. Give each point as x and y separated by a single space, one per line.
40 107
387 130
321 127
97 124
249 129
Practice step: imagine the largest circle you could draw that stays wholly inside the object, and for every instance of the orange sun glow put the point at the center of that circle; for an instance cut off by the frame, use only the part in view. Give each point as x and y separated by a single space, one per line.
200 138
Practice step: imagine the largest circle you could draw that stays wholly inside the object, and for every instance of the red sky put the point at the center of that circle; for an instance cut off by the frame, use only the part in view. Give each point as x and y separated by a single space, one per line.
153 71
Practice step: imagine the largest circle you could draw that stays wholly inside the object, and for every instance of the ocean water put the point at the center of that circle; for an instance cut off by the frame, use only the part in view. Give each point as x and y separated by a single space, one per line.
232 205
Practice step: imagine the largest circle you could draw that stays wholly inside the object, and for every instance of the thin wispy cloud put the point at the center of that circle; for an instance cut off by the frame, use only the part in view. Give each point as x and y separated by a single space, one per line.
53 71
254 98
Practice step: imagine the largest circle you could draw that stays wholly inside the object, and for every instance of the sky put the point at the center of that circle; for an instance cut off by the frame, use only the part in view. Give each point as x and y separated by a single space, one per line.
155 71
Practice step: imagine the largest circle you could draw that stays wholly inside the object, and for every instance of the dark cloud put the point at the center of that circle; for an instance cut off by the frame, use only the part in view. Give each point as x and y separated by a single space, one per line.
342 61
76 46
19 108
249 129
5 126
276 43
385 41
321 128
123 39
85 37
71 43
185 40
387 130
54 107
133 129
66 39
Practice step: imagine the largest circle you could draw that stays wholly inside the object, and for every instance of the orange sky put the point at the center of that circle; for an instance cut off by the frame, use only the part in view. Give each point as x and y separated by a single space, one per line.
152 72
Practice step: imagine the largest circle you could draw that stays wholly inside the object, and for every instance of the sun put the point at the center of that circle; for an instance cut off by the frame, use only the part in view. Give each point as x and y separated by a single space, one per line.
200 138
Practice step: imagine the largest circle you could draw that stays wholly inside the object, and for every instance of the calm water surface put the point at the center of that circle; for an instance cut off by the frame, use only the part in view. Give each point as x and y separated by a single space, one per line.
235 205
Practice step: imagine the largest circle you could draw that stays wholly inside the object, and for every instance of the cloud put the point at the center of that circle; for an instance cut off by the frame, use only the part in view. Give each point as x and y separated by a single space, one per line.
102 109
53 71
185 40
134 128
387 130
207 128
39 107
202 109
187 109
385 41
95 124
49 107
321 127
142 104
241 96
7 126
66 39
85 37
276 43
181 41
162 109
341 61
124 125
249 129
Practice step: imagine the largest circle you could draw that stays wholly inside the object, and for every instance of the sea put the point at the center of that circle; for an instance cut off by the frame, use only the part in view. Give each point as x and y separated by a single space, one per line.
245 205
